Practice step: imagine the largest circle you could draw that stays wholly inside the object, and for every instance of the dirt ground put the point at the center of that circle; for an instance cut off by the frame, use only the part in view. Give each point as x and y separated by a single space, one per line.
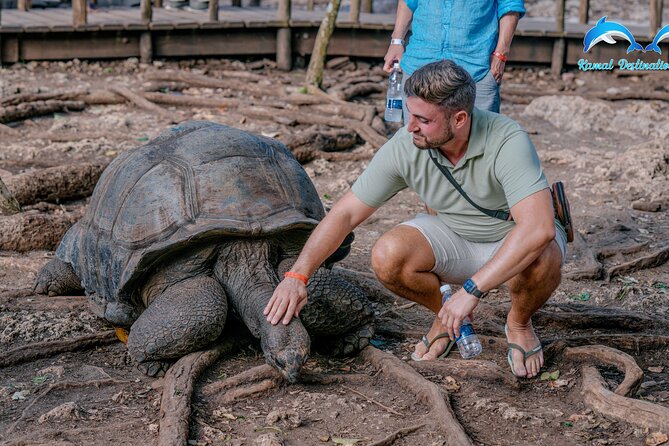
610 155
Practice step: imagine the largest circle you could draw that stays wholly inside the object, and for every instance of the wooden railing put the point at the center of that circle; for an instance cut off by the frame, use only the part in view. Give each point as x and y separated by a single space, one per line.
655 8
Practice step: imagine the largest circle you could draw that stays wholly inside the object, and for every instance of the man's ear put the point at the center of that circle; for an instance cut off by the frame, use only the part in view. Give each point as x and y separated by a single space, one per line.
460 119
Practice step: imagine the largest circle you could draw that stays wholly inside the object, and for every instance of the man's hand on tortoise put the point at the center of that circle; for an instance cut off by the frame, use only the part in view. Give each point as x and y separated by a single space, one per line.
286 302
455 310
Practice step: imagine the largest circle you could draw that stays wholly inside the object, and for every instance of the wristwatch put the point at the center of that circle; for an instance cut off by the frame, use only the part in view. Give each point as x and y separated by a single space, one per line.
471 288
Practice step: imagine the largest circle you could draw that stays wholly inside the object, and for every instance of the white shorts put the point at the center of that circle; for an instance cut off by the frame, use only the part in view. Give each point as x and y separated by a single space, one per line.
457 259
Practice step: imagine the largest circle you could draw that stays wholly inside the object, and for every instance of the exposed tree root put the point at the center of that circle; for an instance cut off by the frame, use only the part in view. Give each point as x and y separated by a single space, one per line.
470 368
307 377
37 108
372 400
362 89
602 400
634 343
48 436
610 251
592 269
55 183
650 261
252 375
400 433
61 386
239 393
32 230
16 99
178 387
567 315
38 350
441 416
143 103
622 361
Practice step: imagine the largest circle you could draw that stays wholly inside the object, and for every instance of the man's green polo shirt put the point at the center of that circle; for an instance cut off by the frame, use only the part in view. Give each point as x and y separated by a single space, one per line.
499 169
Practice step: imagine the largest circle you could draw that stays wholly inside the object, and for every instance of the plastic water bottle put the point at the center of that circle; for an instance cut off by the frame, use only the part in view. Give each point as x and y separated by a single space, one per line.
394 95
468 343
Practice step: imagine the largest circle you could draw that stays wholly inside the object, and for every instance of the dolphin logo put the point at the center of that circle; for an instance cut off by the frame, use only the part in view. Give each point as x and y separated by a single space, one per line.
606 31
660 36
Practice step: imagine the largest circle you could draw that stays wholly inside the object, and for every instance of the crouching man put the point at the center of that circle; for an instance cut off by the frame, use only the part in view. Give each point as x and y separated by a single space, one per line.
495 164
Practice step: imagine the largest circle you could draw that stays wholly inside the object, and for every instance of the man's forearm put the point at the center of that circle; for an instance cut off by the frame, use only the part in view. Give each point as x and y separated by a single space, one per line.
402 20
507 27
522 246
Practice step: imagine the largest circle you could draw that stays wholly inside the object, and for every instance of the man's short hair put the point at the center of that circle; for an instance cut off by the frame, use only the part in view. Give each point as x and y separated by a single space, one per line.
443 83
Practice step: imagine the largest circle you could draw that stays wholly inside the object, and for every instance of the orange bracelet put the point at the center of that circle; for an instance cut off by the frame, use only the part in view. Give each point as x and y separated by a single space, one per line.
500 56
297 276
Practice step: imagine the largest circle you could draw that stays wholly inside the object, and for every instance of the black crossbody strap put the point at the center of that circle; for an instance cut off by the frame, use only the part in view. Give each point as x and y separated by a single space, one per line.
502 215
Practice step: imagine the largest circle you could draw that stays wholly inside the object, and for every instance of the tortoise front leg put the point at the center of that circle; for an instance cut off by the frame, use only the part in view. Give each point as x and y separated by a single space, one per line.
184 318
57 278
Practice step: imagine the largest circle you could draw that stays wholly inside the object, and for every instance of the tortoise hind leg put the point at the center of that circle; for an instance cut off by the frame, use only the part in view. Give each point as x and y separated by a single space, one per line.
338 314
184 318
57 278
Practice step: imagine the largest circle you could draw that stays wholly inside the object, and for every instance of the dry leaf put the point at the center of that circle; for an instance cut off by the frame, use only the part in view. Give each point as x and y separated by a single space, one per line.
655 369
451 384
656 438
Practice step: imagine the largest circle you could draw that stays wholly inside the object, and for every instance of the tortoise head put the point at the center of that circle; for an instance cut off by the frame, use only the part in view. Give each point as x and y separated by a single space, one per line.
286 348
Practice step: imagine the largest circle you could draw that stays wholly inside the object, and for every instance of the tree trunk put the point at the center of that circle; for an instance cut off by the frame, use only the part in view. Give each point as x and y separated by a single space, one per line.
317 62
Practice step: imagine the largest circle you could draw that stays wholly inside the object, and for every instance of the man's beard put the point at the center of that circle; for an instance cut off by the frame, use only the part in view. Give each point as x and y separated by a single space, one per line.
426 143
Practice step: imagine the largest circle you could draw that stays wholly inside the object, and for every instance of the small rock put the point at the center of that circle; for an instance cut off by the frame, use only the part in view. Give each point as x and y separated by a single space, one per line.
579 82
289 417
20 396
66 411
269 439
612 90
655 369
648 384
656 439
55 370
647 206
153 428
568 77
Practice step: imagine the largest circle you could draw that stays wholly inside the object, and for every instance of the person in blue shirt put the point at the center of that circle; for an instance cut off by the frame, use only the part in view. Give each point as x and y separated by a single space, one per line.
476 34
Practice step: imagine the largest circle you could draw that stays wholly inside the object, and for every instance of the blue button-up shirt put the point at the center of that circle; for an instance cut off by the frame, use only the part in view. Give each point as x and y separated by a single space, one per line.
464 31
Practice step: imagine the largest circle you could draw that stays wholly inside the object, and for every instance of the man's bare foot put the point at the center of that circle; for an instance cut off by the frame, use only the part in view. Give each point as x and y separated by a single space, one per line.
438 347
528 362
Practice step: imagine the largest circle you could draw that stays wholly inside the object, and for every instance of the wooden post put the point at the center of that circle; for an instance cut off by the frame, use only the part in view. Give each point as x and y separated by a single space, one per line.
79 12
23 5
145 47
213 10
655 16
355 11
559 15
310 5
366 6
584 11
284 48
147 11
557 61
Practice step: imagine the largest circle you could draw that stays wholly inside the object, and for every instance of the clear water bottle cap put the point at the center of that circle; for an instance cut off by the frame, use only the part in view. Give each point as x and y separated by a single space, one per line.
445 288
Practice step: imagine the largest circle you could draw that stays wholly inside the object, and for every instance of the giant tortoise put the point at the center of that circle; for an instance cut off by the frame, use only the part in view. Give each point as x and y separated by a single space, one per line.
201 216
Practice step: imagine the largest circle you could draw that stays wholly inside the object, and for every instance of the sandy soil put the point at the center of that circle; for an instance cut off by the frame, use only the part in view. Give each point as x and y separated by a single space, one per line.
610 154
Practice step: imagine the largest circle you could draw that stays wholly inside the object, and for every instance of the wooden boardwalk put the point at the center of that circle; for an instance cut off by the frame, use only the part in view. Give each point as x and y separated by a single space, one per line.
48 34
